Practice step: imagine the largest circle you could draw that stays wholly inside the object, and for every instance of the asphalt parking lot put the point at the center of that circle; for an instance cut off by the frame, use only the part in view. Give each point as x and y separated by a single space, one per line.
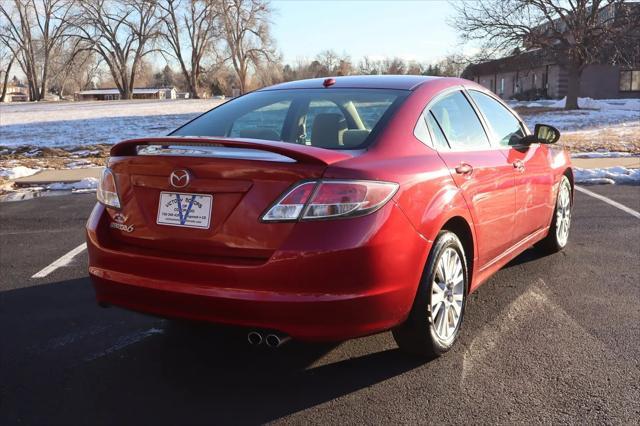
548 339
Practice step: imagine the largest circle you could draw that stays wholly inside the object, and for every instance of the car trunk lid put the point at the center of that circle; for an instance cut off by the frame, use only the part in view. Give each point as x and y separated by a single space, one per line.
241 178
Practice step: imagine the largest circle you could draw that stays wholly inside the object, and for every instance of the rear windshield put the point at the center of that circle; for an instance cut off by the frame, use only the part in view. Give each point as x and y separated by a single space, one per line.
325 118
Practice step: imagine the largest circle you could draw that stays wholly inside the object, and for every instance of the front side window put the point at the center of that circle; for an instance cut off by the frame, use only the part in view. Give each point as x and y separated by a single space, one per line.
459 122
505 126
324 117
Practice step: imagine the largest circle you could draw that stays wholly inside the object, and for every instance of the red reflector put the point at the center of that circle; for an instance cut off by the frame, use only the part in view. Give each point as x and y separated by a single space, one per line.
329 82
340 193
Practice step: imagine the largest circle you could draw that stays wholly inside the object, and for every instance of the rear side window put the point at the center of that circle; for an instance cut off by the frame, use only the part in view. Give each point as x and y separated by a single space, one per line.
439 139
459 122
325 117
505 126
421 132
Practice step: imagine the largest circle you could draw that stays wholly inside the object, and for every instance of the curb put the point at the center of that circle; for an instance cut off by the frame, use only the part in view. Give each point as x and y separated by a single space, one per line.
46 177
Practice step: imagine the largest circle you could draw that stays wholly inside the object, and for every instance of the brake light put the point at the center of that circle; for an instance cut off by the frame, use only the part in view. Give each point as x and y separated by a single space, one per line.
107 192
329 199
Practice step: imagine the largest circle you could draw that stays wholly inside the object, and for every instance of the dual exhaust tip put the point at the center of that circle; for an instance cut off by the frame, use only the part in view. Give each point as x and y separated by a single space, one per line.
272 340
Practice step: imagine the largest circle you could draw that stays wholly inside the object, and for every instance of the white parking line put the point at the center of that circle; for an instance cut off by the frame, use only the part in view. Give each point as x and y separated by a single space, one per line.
125 341
40 231
609 201
63 261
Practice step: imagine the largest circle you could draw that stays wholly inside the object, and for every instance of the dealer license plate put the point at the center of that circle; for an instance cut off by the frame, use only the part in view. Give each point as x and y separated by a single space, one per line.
185 210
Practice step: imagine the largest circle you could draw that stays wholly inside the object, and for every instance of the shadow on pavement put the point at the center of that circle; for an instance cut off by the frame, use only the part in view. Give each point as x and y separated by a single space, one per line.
530 255
78 363
65 359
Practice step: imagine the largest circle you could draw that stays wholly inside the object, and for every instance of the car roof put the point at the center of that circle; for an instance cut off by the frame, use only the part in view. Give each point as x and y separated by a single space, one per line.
400 82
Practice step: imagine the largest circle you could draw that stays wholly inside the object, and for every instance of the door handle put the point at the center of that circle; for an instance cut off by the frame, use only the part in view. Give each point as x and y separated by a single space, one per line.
464 169
518 165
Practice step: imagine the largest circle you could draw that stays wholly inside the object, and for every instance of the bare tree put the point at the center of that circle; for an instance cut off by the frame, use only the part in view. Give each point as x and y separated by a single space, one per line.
122 33
332 63
246 33
5 79
345 67
34 29
329 60
367 66
219 80
576 33
394 66
200 19
453 65
268 75
90 72
7 58
414 68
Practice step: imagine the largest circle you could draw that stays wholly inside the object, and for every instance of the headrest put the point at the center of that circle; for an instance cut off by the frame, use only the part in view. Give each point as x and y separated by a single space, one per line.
354 137
327 130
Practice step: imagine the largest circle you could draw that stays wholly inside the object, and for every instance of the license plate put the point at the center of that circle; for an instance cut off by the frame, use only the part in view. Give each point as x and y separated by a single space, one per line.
185 210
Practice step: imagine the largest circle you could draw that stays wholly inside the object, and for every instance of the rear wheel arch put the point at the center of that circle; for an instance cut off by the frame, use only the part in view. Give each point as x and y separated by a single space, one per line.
419 334
569 174
459 226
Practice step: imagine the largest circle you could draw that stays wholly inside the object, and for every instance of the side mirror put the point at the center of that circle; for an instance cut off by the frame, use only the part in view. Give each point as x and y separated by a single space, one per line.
546 134
543 133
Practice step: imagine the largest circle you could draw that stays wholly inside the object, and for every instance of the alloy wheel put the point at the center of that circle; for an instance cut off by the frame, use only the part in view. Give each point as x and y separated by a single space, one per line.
563 215
447 294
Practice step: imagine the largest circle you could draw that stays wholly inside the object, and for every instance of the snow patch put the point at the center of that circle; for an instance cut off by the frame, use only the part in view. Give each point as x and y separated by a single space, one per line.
71 124
33 153
80 164
17 172
602 154
602 104
606 122
84 153
609 175
632 104
84 184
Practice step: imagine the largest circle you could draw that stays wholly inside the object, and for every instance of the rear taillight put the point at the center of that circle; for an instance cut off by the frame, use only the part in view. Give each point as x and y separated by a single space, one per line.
291 204
331 198
107 192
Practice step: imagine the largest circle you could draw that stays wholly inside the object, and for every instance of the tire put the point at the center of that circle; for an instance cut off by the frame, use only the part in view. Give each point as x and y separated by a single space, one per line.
558 236
423 333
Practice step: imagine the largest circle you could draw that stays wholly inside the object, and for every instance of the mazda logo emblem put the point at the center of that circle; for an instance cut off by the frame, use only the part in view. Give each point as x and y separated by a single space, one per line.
179 178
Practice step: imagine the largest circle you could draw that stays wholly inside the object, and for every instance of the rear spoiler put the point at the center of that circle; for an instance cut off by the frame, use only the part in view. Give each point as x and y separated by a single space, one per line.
300 153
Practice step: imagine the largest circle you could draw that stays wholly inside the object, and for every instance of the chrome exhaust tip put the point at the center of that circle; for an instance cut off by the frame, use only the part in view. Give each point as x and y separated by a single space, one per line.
254 338
275 341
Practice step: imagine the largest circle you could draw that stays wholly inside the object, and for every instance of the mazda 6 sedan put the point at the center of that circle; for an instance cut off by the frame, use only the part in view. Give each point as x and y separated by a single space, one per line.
328 209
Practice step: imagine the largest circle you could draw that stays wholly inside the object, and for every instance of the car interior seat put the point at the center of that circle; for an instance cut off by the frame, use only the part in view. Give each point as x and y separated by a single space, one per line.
353 138
327 130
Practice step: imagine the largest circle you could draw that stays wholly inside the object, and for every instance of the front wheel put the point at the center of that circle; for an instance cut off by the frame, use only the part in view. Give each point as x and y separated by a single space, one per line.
558 235
436 315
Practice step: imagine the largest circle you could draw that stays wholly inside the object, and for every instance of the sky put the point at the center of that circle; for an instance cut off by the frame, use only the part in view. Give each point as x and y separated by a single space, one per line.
412 30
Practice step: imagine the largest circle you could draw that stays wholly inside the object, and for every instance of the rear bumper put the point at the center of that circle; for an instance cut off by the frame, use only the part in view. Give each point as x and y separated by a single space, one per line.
339 287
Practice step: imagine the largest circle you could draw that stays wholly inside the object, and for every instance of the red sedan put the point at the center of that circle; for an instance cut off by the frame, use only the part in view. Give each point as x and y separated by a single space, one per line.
328 209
